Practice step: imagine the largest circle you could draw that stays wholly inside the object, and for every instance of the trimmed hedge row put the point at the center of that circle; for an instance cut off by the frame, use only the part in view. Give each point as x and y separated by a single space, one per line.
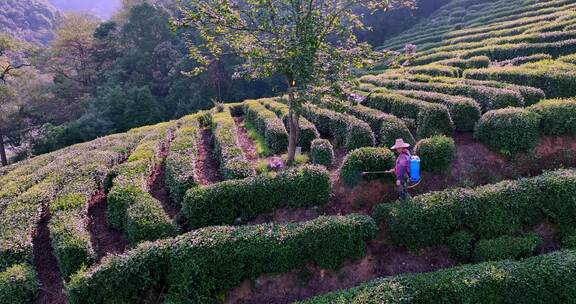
307 133
506 247
543 279
509 131
477 62
436 153
224 202
200 266
387 127
488 97
233 162
344 130
322 152
435 70
365 160
130 207
508 51
18 284
431 119
486 212
558 116
555 78
180 174
74 169
464 111
268 125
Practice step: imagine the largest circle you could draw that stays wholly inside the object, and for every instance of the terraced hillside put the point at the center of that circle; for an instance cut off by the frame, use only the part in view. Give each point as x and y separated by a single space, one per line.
204 209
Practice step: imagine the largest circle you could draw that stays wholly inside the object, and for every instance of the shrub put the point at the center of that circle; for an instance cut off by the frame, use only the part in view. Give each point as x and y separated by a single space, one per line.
222 203
203 264
464 111
365 159
506 247
322 152
434 119
508 51
488 97
69 235
268 125
18 284
470 63
180 170
487 212
233 163
394 128
435 70
555 78
542 279
140 215
358 135
460 244
436 153
558 116
508 131
307 132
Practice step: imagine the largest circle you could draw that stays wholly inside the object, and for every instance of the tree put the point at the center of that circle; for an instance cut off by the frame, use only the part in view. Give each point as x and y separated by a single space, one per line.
310 43
11 62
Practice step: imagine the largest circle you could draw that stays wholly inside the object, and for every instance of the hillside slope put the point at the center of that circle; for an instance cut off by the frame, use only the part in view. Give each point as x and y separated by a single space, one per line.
30 20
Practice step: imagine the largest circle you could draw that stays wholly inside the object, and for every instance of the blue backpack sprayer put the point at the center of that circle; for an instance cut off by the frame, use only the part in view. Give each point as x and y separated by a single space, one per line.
415 178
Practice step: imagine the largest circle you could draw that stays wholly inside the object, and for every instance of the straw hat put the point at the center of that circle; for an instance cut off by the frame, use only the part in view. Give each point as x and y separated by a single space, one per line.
400 144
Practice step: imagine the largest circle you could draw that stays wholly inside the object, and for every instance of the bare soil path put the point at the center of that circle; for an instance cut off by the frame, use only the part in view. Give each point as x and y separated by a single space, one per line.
207 165
157 182
51 289
104 239
246 143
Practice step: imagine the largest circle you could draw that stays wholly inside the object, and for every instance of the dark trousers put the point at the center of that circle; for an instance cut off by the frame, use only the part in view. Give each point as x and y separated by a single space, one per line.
403 190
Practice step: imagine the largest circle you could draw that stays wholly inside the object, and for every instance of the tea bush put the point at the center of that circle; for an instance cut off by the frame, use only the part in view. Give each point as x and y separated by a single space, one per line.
363 160
18 284
322 152
203 264
558 116
436 153
223 202
506 247
509 131
268 125
233 162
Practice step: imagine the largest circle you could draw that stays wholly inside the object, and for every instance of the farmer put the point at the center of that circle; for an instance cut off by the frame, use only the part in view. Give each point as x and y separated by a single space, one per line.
402 169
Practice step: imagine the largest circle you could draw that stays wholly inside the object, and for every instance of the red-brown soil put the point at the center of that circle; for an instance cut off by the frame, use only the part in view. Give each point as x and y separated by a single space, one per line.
380 260
207 165
245 142
104 239
51 289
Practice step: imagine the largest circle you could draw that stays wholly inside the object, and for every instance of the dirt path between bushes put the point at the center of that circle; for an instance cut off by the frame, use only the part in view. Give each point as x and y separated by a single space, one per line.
245 142
104 239
51 288
157 182
207 165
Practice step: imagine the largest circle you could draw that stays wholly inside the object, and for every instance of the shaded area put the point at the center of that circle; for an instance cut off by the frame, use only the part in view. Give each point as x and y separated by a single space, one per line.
51 289
104 239
207 165
157 182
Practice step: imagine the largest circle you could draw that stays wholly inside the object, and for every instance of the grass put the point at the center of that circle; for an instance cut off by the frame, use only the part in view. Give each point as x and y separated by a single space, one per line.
259 141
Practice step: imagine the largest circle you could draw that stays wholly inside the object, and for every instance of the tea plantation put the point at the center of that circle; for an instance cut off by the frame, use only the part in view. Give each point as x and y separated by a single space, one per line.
204 209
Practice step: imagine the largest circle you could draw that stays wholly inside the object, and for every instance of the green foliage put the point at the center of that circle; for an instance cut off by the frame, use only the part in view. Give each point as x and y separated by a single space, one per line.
322 152
268 125
487 212
435 70
477 62
233 162
358 135
262 148
556 78
558 116
509 131
222 203
460 244
69 237
543 279
436 153
18 284
506 247
200 265
180 168
307 132
394 128
363 160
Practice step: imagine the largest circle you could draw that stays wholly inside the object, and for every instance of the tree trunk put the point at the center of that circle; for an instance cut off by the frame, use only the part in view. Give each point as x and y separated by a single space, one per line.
3 150
294 126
